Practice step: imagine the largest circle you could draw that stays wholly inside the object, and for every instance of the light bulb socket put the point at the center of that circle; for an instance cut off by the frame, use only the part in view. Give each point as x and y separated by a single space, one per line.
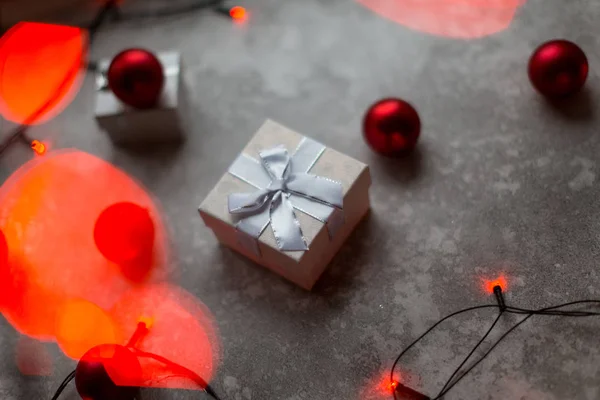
499 297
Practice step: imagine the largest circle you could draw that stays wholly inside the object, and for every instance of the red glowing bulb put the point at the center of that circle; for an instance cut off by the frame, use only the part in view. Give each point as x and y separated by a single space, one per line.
238 13
124 233
393 385
38 147
489 285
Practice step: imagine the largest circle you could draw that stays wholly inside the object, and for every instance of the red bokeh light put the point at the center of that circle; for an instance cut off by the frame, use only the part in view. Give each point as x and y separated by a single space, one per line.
182 331
238 13
82 325
3 254
379 387
124 234
40 70
450 18
32 358
48 210
489 285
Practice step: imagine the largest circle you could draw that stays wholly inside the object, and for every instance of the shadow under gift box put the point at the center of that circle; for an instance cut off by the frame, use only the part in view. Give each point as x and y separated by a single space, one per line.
301 267
127 125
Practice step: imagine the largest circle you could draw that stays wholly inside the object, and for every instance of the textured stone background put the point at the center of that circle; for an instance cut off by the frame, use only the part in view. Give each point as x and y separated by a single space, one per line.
501 182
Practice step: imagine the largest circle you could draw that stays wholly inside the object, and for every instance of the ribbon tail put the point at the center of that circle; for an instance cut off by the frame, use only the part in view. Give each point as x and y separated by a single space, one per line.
333 217
286 227
250 228
239 203
317 188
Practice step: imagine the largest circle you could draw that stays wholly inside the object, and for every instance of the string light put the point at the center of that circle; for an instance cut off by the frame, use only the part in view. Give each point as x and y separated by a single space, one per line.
238 13
109 7
501 306
489 285
133 361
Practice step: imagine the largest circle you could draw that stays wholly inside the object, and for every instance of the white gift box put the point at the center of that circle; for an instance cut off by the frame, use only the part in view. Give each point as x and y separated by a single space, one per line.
128 125
288 203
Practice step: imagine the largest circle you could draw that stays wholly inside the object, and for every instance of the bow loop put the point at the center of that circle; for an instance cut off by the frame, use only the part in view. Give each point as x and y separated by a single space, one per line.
286 227
240 203
277 162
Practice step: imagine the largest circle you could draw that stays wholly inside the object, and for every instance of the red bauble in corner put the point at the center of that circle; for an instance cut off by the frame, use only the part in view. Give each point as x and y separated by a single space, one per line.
558 68
392 127
108 372
136 77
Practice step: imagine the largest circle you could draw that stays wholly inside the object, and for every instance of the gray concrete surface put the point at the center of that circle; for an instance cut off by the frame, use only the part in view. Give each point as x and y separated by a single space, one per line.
501 182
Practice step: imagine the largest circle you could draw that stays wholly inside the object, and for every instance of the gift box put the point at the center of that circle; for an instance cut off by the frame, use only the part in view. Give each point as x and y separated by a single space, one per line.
288 203
127 125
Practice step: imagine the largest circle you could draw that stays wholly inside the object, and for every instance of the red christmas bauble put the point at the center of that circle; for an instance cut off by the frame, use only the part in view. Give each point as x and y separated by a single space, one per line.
136 77
392 127
124 233
107 372
558 68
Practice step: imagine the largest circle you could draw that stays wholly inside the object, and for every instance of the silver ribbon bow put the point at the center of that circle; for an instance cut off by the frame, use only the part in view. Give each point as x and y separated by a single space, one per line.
284 184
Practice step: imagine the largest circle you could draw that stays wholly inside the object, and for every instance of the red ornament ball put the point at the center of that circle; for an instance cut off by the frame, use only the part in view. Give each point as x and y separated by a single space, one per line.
136 77
108 372
392 127
558 68
124 233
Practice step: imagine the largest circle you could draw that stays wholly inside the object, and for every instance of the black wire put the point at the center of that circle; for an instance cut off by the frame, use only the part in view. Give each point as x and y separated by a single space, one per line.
167 11
521 311
208 389
93 27
552 310
199 380
428 331
489 331
13 136
63 385
531 313
211 392
548 311
483 357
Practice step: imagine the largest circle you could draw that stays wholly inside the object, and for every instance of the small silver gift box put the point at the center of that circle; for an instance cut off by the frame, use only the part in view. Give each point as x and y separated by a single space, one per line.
128 125
288 203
